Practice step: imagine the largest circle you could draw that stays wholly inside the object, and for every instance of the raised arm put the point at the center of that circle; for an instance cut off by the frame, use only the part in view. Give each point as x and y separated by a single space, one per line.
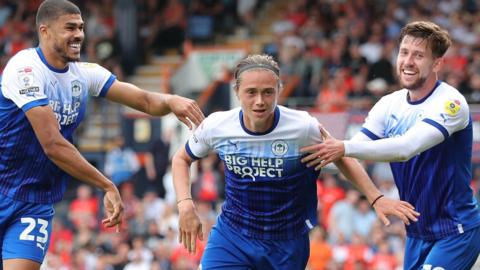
68 158
189 223
156 104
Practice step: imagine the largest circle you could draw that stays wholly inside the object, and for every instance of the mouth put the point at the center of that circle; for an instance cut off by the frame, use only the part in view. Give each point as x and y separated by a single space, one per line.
75 46
408 74
259 112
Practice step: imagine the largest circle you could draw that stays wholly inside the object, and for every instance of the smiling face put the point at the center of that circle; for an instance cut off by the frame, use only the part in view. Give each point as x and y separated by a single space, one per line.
61 39
416 66
258 94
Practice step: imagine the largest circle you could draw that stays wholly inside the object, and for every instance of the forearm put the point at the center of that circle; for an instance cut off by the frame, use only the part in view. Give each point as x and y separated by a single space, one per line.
353 171
69 159
416 140
181 176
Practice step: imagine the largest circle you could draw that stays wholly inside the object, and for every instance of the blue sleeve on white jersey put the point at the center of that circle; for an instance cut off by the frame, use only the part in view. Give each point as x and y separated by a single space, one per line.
107 85
99 78
197 145
23 84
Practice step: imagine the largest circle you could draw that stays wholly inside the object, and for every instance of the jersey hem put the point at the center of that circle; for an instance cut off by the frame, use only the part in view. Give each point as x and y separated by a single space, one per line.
452 232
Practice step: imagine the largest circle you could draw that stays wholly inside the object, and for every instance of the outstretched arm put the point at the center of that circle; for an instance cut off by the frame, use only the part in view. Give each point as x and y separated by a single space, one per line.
353 171
68 158
189 223
417 139
156 104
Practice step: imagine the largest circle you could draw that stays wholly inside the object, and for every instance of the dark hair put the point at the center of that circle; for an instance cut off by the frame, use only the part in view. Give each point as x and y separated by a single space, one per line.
50 10
256 61
438 39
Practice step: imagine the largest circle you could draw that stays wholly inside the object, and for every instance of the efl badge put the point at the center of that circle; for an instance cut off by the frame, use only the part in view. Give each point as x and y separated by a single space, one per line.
279 147
25 76
452 107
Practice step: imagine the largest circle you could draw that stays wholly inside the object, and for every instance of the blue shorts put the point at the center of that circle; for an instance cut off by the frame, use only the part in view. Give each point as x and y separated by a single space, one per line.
453 252
25 229
228 249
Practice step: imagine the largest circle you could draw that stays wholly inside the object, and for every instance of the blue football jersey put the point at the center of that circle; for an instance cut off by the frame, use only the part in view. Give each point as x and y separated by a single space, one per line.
436 181
269 193
26 173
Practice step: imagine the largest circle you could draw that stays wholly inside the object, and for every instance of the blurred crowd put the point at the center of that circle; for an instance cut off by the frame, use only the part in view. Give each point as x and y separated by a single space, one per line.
342 53
340 56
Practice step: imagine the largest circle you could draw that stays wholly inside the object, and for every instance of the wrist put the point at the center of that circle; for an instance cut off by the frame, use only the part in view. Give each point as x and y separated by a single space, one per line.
376 200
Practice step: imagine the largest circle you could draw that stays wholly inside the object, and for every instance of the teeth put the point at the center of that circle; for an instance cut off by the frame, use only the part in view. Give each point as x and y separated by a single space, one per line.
409 72
75 45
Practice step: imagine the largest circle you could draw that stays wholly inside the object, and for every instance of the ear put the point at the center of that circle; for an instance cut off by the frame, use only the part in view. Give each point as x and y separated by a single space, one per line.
42 30
438 64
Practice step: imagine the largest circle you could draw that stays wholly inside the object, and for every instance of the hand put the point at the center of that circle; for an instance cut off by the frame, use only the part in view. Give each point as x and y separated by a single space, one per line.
325 152
189 225
113 206
401 209
186 110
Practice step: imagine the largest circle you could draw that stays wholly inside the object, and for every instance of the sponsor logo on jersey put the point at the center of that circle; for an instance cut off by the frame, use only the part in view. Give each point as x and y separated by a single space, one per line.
30 91
279 147
452 107
25 76
253 167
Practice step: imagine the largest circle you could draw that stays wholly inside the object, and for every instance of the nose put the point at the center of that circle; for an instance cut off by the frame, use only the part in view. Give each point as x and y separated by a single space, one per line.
259 100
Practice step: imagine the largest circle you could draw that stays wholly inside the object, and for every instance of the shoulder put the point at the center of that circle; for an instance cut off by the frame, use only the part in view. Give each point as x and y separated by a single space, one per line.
221 119
293 115
449 99
23 59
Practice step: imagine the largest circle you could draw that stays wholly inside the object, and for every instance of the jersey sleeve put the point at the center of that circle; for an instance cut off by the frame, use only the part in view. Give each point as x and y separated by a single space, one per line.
198 145
23 84
313 132
450 115
374 126
99 78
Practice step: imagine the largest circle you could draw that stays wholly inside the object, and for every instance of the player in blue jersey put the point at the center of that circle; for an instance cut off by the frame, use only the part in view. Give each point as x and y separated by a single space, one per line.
270 195
43 98
425 132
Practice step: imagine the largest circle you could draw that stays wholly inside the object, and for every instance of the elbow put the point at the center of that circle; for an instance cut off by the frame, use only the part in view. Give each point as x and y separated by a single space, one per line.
51 149
406 152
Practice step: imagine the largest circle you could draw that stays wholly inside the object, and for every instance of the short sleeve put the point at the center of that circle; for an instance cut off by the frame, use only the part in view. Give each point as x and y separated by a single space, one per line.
197 145
99 78
23 85
449 114
314 135
374 126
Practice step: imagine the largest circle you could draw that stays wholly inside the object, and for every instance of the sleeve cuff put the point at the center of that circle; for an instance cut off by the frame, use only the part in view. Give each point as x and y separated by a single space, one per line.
190 153
35 103
438 126
107 85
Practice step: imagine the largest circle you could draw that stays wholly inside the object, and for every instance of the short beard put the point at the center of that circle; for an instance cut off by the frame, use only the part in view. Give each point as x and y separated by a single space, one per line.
416 85
64 55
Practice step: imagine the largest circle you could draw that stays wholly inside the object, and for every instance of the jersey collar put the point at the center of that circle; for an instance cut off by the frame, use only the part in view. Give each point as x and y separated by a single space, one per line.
276 117
425 98
44 60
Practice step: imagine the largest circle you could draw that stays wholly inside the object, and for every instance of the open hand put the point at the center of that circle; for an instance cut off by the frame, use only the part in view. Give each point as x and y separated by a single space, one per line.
189 226
389 207
186 110
325 152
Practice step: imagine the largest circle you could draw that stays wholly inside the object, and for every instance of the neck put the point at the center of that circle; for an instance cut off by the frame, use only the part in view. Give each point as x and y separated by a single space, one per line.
424 90
53 59
259 126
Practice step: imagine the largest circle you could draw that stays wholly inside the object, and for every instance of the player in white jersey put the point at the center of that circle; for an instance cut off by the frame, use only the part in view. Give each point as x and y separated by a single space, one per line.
425 132
270 195
43 96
